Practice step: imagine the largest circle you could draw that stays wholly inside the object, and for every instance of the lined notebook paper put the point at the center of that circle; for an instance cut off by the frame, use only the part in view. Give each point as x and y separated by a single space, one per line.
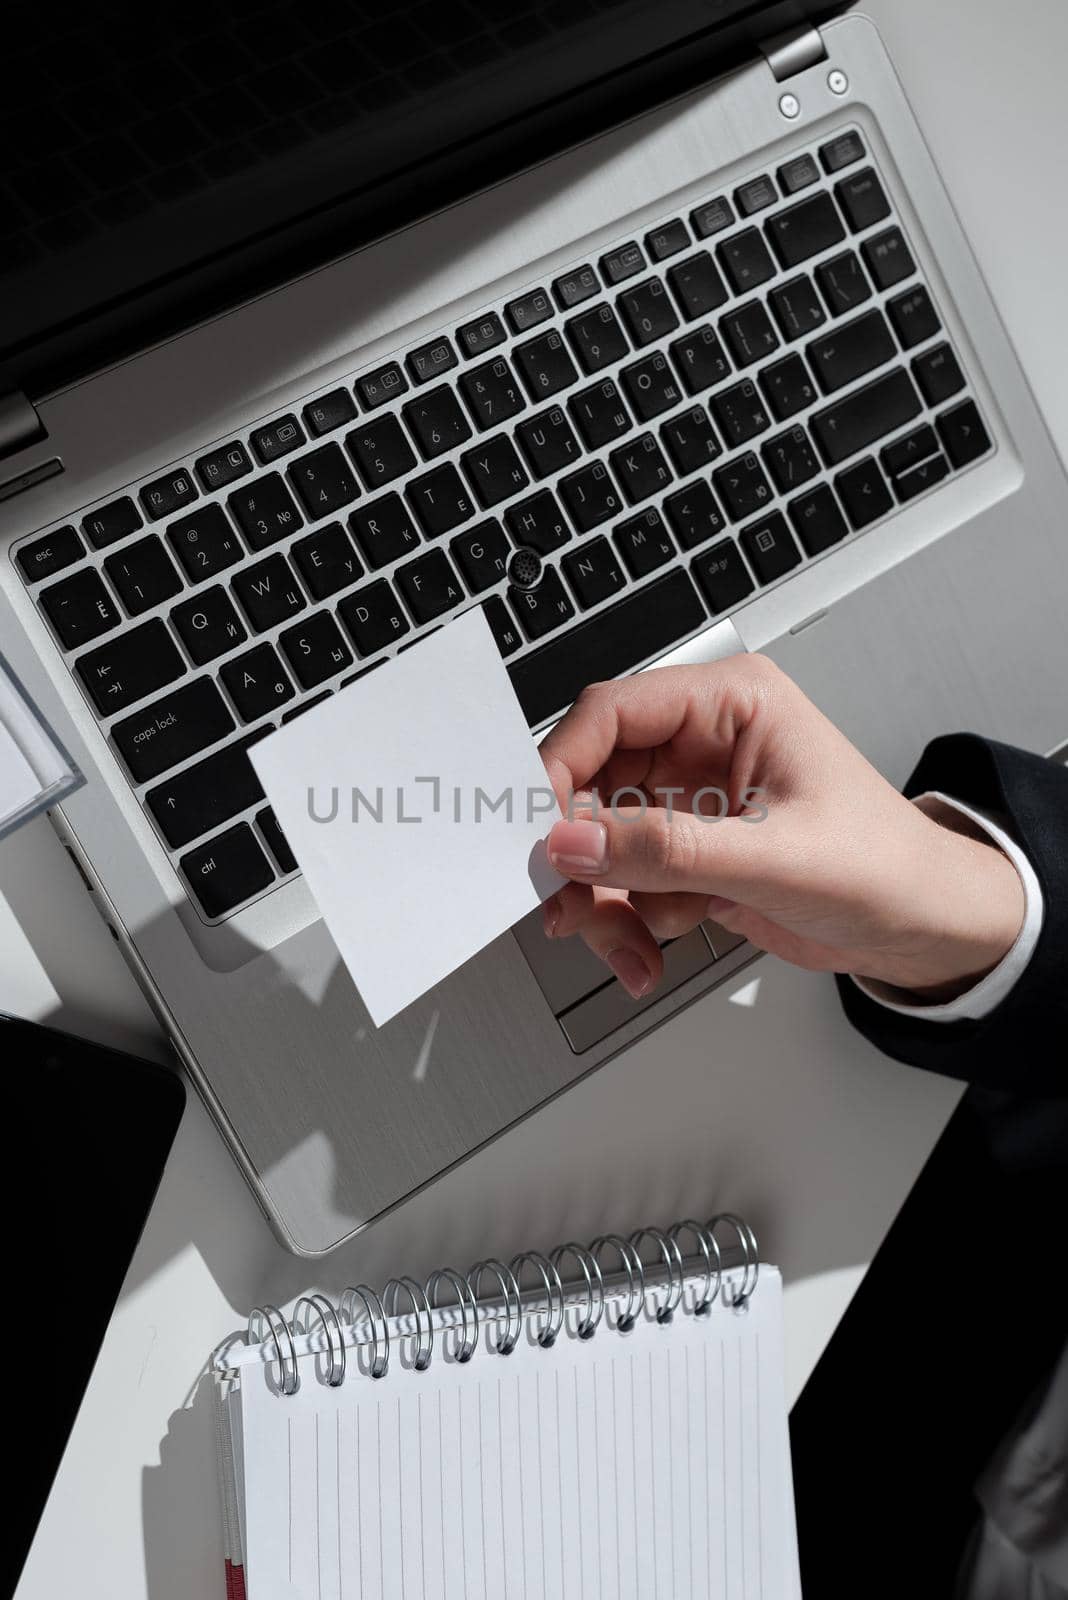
647 1463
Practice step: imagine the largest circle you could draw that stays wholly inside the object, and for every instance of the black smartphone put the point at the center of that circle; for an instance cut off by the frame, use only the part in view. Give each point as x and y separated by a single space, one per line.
87 1131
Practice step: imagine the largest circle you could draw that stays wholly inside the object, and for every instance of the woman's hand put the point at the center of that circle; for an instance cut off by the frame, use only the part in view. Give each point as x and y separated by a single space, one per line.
816 859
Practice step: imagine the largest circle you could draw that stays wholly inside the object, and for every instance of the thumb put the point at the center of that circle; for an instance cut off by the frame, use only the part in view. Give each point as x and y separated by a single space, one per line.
653 850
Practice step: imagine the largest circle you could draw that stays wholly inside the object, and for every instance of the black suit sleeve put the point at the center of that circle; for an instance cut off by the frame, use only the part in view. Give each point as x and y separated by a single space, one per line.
1020 1045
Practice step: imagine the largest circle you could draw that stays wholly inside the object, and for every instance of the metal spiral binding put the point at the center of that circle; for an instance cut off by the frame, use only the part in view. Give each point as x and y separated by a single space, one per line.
360 1303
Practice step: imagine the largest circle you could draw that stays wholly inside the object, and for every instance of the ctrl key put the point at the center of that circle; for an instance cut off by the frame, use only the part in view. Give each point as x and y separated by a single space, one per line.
228 870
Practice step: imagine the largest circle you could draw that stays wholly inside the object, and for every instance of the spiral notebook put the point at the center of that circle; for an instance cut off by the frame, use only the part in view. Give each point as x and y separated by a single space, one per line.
554 1429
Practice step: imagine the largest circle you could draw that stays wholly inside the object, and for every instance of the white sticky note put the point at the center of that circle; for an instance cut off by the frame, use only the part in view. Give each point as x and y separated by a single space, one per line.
417 806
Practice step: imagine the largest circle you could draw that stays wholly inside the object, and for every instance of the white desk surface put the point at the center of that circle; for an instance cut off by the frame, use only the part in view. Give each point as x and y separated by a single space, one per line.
796 1122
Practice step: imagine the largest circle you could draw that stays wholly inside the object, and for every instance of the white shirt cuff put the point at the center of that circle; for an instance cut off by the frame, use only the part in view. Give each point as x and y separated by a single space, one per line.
989 992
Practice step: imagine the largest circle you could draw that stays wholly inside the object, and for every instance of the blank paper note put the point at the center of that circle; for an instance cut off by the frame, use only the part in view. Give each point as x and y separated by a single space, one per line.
649 1464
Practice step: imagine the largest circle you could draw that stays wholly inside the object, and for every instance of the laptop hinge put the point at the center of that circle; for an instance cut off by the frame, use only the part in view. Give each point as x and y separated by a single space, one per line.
793 51
19 423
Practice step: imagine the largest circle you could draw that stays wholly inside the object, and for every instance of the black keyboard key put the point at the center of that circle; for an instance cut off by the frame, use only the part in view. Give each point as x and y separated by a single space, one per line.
599 414
265 511
889 258
742 486
431 359
256 682
227 870
668 239
644 543
481 555
697 286
172 729
745 260
842 151
647 311
166 495
504 626
380 450
223 466
790 459
548 442
593 573
804 230
327 561
107 524
909 450
330 411
43 558
770 547
798 174
650 386
204 543
723 576
796 307
491 393
914 317
324 481
544 365
373 618
385 383
484 333
690 440
712 217
268 593
850 351
144 575
636 629
787 387
574 287
694 515
700 359
129 667
544 608
749 334
640 468
79 608
862 199
436 422
756 195
204 796
817 521
538 523
739 413
267 822
843 283
384 530
862 490
865 415
590 496
315 650
429 586
494 470
276 439
921 478
439 501
963 434
208 625
938 374
528 310
597 338
622 263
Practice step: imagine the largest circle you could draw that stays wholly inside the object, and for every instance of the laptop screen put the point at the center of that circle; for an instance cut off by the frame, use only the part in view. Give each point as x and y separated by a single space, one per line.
180 156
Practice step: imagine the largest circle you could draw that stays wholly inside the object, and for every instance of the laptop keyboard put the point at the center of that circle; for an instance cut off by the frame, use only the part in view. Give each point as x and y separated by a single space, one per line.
606 463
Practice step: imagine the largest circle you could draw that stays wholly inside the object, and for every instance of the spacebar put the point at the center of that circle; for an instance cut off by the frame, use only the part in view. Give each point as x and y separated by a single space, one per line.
613 642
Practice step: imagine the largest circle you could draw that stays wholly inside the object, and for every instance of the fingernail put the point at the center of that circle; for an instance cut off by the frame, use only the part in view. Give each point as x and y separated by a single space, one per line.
579 846
631 971
550 915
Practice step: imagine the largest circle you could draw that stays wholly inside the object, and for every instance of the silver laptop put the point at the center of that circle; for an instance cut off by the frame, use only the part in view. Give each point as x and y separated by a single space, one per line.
647 327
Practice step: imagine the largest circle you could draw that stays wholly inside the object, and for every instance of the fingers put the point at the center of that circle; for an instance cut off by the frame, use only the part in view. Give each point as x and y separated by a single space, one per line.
669 916
613 930
653 851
